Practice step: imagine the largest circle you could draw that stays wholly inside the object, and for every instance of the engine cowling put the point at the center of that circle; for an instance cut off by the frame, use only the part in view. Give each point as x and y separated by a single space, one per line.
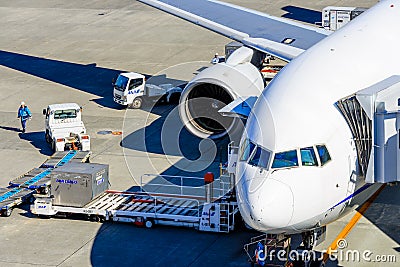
213 89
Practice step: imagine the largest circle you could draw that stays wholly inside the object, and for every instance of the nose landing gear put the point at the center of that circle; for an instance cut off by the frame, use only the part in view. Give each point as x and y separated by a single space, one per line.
286 250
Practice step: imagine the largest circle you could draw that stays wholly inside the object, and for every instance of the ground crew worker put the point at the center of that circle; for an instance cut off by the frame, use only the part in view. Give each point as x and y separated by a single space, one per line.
24 113
215 59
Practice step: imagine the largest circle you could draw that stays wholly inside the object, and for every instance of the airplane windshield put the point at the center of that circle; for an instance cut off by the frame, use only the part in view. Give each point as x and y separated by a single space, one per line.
257 156
308 157
260 158
323 154
246 149
285 159
254 154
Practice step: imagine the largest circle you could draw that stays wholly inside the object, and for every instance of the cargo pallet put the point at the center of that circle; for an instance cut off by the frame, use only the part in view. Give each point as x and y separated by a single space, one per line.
21 189
149 208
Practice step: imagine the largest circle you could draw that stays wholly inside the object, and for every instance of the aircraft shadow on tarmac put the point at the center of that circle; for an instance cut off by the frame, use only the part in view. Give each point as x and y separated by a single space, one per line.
127 245
302 14
87 78
384 214
156 139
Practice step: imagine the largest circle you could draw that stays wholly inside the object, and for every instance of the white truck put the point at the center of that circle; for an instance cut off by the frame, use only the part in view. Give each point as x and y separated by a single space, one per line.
64 127
130 89
334 17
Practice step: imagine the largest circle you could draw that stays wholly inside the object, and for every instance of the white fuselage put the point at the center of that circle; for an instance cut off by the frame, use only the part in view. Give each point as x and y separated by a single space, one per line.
297 110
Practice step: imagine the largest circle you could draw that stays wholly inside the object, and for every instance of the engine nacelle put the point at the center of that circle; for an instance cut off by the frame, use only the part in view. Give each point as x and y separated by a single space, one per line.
213 89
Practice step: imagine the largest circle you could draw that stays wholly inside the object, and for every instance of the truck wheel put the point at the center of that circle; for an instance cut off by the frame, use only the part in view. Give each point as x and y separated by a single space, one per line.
7 212
137 103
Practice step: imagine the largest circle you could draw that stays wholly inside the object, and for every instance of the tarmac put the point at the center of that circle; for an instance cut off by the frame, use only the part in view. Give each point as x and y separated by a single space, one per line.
69 51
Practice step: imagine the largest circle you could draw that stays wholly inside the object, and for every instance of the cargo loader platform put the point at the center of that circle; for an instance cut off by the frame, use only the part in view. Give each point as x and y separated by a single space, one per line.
21 189
148 208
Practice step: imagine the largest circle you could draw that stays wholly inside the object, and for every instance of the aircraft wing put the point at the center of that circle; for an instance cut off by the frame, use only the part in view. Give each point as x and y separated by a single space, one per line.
280 37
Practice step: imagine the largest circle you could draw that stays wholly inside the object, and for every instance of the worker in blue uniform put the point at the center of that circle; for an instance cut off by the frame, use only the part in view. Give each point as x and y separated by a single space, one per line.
24 114
215 59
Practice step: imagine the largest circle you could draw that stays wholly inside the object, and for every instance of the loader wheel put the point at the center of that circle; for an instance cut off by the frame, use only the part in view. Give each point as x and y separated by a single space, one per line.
45 190
148 224
137 103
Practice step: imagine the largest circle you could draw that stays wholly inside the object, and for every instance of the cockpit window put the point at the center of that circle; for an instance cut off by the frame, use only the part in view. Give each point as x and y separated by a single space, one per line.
260 158
308 157
285 159
246 150
323 154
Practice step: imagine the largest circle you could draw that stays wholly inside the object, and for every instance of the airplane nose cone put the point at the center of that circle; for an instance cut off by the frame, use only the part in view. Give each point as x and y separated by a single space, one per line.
269 205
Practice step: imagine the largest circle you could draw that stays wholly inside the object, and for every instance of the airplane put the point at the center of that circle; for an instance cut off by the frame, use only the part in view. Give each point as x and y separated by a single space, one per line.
307 153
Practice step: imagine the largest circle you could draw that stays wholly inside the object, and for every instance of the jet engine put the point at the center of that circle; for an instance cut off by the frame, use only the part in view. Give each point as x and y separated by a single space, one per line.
214 88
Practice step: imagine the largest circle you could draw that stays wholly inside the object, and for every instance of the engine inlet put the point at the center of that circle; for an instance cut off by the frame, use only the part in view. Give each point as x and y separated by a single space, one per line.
202 105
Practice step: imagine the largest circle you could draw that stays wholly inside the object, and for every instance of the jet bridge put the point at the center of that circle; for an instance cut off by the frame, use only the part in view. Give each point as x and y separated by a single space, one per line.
373 116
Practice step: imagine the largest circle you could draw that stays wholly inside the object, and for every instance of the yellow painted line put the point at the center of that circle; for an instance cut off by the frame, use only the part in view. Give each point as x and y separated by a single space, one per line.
346 230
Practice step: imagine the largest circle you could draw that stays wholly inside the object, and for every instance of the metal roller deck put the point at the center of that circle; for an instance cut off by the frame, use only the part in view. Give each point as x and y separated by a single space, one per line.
38 178
10 197
34 179
58 159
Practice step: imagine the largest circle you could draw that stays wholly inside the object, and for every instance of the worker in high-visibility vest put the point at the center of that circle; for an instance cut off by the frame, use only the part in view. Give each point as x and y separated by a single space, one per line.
24 114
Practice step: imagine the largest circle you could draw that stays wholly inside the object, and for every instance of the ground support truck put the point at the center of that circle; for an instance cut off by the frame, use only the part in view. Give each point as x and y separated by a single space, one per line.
131 90
64 128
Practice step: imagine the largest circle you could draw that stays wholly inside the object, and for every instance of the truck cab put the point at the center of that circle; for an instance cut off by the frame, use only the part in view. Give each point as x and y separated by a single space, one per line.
64 128
129 89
